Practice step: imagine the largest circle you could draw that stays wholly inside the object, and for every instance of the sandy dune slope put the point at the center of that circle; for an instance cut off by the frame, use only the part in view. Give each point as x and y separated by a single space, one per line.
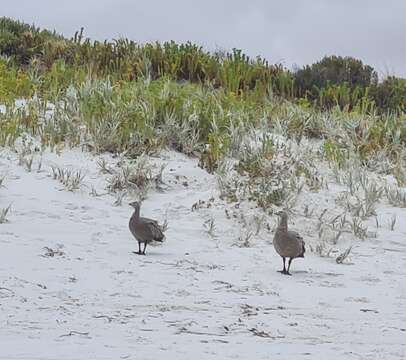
71 288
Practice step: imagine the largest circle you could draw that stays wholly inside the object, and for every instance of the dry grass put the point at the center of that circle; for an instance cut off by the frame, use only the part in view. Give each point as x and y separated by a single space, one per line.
71 179
3 214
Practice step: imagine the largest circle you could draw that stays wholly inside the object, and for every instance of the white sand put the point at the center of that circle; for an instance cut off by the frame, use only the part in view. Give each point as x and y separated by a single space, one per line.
194 297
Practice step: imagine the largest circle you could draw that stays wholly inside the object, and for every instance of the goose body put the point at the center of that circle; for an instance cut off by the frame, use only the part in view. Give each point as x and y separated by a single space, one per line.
144 230
288 244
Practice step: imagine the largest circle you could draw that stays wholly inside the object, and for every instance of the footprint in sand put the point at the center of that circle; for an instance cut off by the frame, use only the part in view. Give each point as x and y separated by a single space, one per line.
363 300
70 206
97 236
331 285
87 218
369 280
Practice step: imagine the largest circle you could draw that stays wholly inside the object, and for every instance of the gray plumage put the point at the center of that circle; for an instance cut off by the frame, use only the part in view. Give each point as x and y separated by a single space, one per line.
145 230
288 244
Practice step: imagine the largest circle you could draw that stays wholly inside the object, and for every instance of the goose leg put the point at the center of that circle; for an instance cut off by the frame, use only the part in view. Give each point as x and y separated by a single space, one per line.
145 246
287 272
139 249
284 267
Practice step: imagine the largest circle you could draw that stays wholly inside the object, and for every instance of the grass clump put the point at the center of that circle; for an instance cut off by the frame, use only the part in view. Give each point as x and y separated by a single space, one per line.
3 214
396 196
71 179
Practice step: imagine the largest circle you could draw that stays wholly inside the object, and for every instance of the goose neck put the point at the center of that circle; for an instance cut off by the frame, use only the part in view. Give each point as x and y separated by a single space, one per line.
283 224
136 214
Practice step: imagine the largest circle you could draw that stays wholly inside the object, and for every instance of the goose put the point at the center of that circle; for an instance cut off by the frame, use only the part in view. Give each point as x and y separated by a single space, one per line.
288 244
145 230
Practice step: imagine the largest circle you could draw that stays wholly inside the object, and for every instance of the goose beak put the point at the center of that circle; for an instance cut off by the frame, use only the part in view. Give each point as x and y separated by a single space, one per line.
134 204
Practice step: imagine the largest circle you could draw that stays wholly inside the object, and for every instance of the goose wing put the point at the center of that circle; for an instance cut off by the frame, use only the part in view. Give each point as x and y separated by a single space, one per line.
289 244
148 220
296 244
154 223
153 229
293 235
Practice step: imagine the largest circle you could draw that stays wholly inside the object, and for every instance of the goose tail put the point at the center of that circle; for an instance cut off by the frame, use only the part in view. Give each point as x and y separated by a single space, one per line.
303 250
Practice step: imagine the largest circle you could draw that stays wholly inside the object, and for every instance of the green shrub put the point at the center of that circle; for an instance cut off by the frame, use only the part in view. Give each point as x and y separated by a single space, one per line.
335 80
14 83
390 95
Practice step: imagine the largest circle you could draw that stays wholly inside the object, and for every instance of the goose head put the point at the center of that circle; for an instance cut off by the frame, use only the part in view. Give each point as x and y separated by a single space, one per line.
135 204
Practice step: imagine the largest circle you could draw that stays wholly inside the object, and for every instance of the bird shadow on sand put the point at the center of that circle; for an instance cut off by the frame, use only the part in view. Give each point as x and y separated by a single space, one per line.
151 254
293 274
305 274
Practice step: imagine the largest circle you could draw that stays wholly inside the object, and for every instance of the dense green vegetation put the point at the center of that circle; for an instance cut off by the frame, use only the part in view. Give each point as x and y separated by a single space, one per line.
264 130
42 60
134 98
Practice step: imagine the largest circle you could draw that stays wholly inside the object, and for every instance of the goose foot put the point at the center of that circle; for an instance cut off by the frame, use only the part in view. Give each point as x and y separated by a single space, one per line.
138 252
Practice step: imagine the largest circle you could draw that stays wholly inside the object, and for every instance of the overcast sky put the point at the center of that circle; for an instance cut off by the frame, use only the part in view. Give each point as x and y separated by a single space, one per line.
288 31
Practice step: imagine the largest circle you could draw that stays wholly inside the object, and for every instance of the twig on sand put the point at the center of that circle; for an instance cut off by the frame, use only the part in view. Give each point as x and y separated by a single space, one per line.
4 288
183 330
109 318
264 334
74 332
51 252
340 258
10 292
369 310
